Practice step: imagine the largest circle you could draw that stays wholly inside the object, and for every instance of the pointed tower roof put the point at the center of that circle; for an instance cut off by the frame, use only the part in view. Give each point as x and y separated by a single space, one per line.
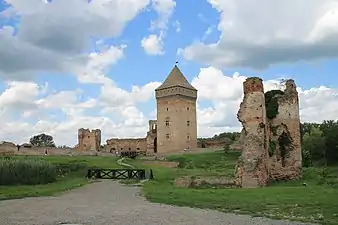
176 78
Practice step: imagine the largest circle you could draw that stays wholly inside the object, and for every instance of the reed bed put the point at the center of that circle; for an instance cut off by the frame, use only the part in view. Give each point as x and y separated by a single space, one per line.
26 171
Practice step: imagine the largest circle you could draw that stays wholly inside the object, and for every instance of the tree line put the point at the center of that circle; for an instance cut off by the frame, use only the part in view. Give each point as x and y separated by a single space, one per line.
228 137
319 143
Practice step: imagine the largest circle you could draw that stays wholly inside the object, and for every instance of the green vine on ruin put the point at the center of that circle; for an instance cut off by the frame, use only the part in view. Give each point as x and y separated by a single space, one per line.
274 130
272 148
271 103
284 142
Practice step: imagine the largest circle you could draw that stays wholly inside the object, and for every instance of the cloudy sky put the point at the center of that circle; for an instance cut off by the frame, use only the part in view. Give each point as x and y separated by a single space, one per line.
67 64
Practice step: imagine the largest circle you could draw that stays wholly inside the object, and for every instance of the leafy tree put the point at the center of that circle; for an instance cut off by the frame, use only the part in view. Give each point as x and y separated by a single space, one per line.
42 140
225 136
314 144
330 131
320 142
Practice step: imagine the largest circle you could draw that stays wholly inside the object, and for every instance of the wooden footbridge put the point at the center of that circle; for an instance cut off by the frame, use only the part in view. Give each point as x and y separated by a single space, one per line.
138 174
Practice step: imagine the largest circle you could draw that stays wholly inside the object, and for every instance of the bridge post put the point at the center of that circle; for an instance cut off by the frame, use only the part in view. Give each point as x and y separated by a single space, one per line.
151 177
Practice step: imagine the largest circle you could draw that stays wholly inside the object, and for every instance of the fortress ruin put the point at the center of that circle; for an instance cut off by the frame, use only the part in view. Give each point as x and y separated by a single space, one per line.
89 140
174 130
145 145
271 146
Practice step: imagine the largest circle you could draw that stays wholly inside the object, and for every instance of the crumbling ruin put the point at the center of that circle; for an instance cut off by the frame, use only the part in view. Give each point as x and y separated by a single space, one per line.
89 140
143 145
271 141
174 130
285 161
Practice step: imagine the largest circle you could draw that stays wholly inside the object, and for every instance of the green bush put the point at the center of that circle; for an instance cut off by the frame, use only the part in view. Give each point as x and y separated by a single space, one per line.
26 172
272 148
271 103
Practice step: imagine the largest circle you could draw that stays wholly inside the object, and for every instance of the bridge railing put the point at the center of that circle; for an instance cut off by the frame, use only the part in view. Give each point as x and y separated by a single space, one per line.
99 173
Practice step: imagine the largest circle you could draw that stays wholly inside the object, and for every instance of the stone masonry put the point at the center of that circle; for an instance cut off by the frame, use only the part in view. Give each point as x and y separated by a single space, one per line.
252 168
176 126
146 144
286 165
271 146
89 140
176 114
126 144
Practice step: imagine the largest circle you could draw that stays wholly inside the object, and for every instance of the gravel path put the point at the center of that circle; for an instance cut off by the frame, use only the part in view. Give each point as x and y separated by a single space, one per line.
110 203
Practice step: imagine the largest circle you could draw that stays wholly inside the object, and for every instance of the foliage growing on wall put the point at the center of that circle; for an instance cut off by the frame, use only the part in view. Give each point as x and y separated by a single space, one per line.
284 142
272 148
271 103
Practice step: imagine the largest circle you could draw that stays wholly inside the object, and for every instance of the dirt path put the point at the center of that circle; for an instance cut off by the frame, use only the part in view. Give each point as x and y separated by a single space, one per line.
110 203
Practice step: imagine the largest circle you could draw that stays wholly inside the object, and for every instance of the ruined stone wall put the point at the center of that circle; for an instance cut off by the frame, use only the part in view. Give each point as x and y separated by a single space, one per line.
285 146
146 144
252 168
271 147
151 137
211 144
35 151
126 144
89 140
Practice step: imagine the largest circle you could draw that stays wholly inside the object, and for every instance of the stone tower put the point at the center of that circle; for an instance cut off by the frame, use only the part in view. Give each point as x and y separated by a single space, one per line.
89 140
287 166
252 170
176 114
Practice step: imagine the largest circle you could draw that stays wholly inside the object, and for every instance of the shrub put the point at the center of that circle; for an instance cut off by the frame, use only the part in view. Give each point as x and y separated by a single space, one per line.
272 148
26 172
271 103
306 158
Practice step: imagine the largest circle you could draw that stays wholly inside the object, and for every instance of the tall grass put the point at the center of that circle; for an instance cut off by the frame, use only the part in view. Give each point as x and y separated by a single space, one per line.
26 171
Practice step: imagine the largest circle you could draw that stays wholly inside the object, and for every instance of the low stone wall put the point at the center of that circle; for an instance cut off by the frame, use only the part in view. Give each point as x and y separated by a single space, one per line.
12 150
198 181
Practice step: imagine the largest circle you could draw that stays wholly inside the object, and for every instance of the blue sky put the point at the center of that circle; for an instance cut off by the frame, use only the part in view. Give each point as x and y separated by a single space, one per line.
218 36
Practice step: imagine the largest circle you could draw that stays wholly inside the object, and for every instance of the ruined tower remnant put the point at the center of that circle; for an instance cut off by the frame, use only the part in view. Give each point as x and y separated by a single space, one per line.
152 137
252 169
284 140
176 114
89 140
271 142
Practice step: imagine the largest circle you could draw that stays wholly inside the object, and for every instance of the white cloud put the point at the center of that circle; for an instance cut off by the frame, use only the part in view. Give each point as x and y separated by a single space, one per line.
164 9
62 45
59 45
177 26
226 93
259 34
121 117
99 63
153 44
19 98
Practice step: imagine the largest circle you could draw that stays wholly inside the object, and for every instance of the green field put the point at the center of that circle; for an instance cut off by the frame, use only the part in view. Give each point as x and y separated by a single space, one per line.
71 180
315 202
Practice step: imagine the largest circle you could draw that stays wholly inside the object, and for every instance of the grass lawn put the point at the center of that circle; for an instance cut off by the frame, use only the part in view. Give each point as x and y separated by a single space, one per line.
316 202
70 181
